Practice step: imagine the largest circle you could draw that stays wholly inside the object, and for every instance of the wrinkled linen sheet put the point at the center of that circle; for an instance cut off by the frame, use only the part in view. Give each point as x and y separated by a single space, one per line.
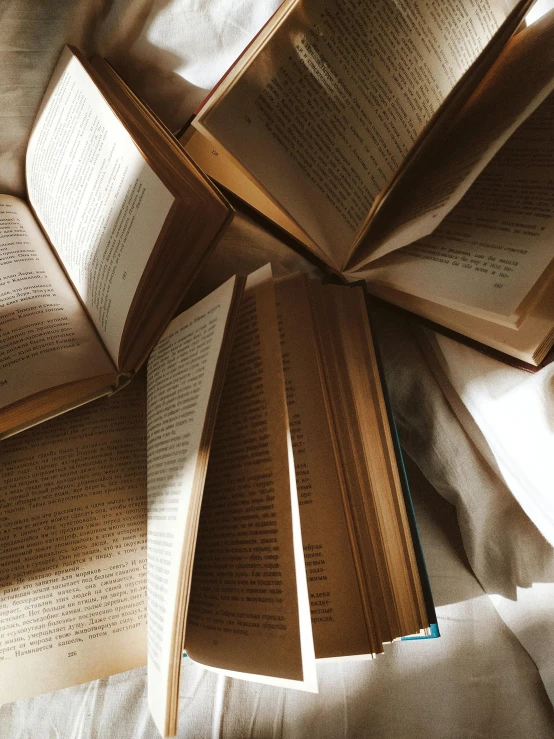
486 540
509 416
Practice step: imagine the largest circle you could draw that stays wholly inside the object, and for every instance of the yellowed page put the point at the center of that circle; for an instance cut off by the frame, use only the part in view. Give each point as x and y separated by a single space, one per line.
520 79
249 609
46 338
530 341
381 511
338 620
490 251
182 372
97 198
73 547
217 163
338 96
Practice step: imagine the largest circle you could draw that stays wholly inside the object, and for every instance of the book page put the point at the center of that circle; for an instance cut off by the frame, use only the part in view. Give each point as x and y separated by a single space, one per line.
46 338
249 609
73 547
489 252
519 80
339 95
99 201
184 381
338 620
217 163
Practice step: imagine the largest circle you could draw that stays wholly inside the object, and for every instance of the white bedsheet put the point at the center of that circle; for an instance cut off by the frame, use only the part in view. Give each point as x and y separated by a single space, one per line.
478 679
509 415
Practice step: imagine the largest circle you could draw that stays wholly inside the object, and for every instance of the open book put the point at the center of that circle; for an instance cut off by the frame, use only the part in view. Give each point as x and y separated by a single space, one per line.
92 268
274 532
359 127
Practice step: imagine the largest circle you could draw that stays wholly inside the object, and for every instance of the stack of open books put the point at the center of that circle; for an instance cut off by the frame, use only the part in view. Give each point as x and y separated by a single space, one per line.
254 477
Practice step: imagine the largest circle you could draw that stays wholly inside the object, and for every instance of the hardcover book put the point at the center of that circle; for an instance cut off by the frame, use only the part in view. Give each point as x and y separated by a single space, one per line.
407 144
92 268
271 518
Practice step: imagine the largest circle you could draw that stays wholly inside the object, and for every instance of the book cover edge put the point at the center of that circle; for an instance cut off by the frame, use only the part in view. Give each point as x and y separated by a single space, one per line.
434 631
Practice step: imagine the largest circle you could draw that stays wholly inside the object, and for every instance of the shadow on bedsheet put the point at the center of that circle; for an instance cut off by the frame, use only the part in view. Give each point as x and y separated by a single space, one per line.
504 548
32 35
437 524
123 33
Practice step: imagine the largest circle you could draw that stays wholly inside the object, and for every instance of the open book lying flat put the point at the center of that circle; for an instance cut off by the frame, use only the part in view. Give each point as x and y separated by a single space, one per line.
279 529
92 268
360 127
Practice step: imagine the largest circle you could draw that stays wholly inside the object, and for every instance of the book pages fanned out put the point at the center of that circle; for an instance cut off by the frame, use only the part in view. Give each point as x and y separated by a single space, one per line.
384 138
258 492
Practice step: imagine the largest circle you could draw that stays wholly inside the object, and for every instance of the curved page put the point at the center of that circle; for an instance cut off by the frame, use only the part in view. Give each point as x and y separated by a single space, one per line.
97 198
249 612
338 96
46 338
182 384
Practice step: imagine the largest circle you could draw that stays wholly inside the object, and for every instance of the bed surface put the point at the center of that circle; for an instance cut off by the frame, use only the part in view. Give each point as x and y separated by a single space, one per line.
480 437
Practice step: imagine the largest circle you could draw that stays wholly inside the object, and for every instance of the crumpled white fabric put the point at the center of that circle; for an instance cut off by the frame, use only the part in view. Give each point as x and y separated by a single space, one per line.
509 416
514 413
171 52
